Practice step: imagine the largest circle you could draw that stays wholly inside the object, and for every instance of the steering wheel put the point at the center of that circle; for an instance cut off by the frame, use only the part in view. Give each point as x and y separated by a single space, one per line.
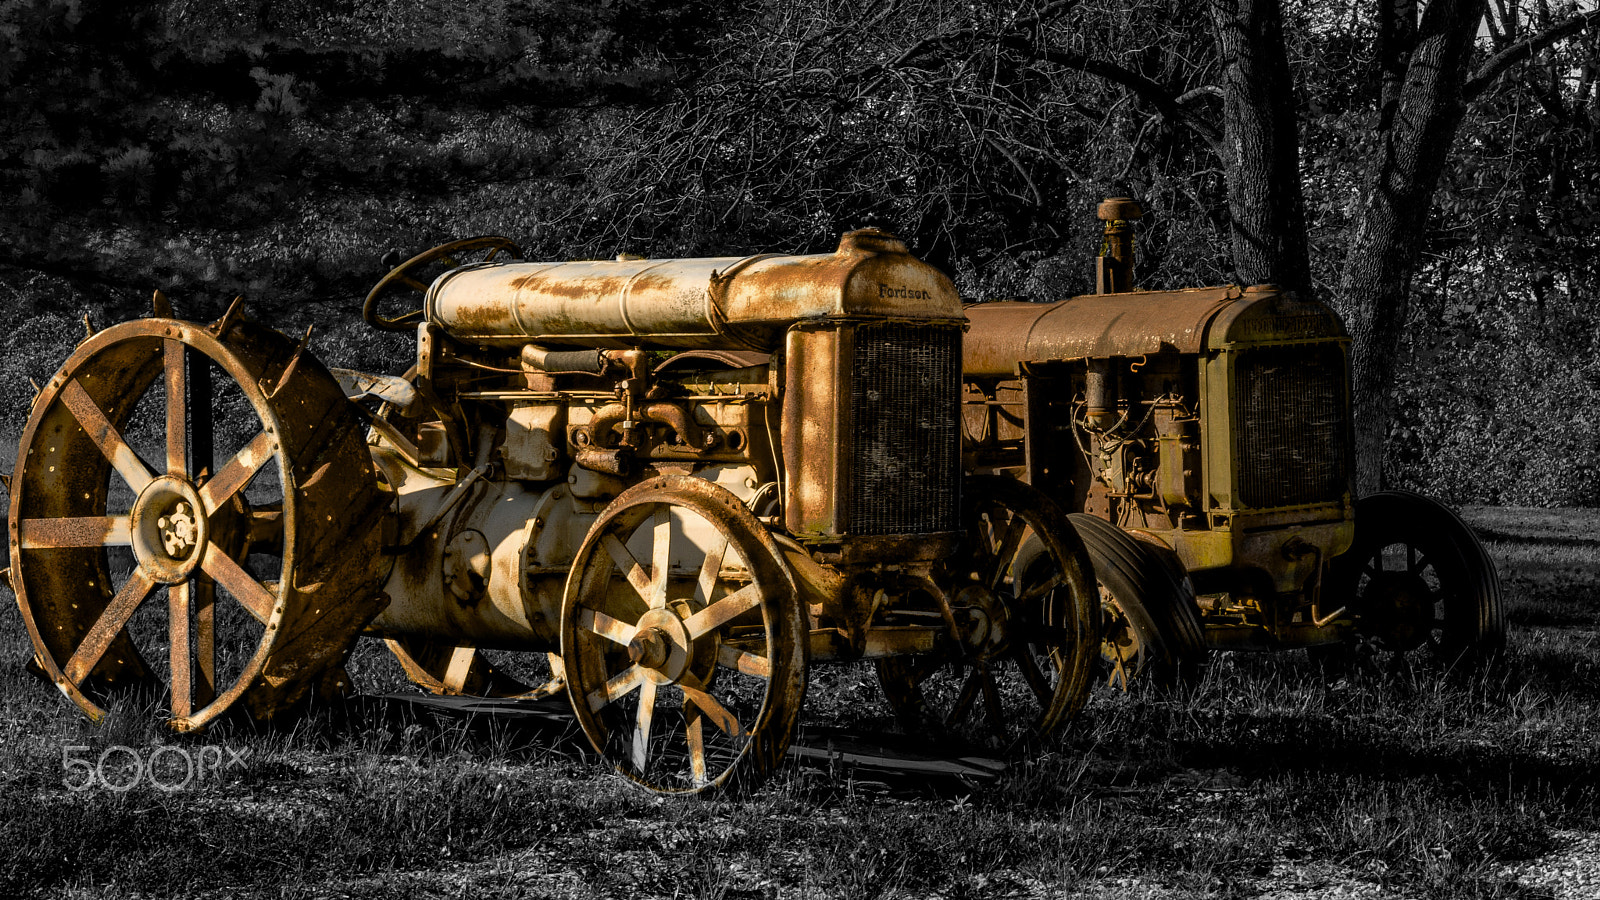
409 275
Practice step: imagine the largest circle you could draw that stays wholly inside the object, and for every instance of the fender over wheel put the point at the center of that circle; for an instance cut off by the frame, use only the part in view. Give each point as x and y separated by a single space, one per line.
1150 623
684 640
123 496
1417 579
1026 663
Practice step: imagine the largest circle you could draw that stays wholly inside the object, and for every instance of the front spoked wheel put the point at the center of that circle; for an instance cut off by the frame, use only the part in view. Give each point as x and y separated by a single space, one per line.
1025 662
683 639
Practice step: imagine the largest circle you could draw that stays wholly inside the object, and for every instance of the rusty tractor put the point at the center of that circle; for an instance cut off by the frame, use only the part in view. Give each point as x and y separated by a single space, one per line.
665 487
1201 440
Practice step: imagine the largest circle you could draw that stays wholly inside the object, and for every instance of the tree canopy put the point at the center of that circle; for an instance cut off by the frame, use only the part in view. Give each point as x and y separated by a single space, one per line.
1430 168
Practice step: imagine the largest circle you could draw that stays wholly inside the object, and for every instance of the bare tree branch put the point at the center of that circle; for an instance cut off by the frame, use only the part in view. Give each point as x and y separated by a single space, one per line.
1524 49
1156 94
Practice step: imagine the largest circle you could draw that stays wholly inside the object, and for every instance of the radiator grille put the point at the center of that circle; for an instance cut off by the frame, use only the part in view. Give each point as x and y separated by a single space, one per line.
905 459
1290 410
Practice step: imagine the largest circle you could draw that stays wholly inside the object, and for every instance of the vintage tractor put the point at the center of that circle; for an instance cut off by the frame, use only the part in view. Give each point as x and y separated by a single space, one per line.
1202 440
680 481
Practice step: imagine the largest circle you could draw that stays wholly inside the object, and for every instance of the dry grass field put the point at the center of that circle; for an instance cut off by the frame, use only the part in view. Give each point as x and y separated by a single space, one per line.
1266 779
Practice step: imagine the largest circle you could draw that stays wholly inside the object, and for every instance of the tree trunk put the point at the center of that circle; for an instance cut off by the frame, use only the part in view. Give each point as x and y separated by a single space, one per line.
1261 145
1383 257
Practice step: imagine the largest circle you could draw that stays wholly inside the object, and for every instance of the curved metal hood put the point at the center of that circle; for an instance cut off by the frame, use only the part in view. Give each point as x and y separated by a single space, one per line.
1138 323
687 303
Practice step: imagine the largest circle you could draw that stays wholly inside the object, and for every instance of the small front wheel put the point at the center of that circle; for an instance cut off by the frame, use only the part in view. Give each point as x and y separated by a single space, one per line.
1417 579
683 637
1028 658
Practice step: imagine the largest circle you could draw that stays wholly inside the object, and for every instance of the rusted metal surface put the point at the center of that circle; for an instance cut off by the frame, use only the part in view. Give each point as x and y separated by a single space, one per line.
1091 326
542 482
676 631
182 523
1213 424
1114 265
723 302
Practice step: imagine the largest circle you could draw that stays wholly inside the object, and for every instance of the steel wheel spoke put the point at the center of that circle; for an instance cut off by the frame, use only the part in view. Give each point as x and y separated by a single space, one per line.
204 598
694 733
1010 539
178 601
635 573
721 612
108 626
1031 674
660 557
173 354
1039 590
615 689
695 692
87 531
238 472
106 437
641 728
614 630
963 705
748 663
709 570
249 592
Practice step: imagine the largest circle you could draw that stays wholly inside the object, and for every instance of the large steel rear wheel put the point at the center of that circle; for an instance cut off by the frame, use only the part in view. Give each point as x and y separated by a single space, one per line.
130 526
684 640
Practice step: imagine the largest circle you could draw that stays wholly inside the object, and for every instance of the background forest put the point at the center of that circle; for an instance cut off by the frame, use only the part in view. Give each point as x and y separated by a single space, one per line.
278 150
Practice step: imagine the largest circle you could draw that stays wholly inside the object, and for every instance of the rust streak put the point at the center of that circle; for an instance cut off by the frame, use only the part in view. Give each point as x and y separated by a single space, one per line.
748 663
249 592
177 409
178 649
630 566
723 611
614 630
108 626
238 472
615 689
133 470
695 692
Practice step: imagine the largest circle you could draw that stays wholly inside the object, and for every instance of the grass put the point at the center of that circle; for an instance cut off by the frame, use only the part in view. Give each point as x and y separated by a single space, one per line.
1264 775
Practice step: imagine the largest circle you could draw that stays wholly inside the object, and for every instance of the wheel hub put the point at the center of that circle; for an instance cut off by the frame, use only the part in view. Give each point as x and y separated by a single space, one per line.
661 646
169 529
988 618
1397 611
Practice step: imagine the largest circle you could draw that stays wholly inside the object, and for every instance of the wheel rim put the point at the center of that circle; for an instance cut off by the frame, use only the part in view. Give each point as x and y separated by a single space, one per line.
685 666
1419 582
1123 654
1026 682
98 533
1404 599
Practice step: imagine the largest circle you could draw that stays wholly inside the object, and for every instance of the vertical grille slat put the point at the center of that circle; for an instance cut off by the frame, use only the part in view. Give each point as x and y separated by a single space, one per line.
1289 407
905 458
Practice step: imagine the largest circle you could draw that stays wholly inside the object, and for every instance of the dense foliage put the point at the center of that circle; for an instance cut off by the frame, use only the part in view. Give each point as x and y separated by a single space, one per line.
278 149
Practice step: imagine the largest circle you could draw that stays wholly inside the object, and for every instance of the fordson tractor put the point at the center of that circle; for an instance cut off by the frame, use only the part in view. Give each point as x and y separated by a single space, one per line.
683 482
1201 440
